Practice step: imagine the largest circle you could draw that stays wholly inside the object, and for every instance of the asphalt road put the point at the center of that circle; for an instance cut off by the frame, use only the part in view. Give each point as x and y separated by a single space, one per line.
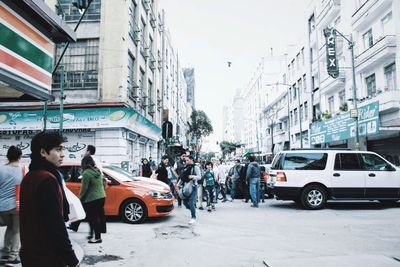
278 234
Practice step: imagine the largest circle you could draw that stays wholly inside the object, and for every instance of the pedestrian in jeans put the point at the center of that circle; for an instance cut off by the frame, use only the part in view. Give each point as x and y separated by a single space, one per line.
44 207
209 184
178 169
192 174
263 183
236 172
253 178
10 175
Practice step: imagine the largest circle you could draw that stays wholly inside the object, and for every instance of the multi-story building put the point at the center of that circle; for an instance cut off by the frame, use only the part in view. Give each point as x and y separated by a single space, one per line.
116 76
311 108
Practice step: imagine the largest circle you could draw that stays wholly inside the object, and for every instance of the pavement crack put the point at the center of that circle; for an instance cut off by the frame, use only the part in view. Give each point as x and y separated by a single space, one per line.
93 259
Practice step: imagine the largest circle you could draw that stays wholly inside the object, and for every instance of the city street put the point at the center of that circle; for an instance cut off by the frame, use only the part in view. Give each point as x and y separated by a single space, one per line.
277 234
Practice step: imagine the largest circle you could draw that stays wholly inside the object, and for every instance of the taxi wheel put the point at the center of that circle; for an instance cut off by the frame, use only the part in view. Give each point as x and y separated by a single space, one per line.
133 211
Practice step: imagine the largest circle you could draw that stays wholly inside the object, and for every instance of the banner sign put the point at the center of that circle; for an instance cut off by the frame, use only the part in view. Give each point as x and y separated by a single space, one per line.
343 127
332 63
95 118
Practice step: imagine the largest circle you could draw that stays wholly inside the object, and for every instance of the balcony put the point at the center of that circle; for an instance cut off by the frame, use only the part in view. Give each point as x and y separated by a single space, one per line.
133 92
329 11
316 97
329 84
389 101
151 109
368 12
383 49
282 113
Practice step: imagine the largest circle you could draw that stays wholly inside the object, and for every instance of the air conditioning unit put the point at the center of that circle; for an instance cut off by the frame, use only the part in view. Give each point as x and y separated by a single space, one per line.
133 92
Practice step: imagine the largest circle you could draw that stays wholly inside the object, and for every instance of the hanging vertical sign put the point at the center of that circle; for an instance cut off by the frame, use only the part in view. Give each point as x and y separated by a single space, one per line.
332 63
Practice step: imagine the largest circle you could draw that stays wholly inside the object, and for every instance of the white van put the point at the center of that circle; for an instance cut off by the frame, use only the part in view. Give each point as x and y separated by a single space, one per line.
310 177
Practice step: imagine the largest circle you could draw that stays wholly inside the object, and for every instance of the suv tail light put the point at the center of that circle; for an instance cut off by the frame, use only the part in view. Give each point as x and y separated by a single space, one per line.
280 177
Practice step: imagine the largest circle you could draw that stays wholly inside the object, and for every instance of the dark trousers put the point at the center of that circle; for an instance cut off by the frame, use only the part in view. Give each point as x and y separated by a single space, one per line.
95 216
210 195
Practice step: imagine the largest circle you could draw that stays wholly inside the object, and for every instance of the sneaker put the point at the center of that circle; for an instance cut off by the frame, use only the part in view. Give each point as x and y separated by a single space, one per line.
192 221
209 209
14 261
225 200
213 207
95 241
201 208
253 206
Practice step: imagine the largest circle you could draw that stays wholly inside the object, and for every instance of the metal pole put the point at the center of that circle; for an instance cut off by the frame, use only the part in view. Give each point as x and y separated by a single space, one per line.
62 98
45 116
288 114
351 46
298 104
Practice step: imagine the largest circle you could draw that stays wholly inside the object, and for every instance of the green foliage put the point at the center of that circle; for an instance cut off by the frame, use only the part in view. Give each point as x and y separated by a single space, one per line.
200 125
227 147
210 155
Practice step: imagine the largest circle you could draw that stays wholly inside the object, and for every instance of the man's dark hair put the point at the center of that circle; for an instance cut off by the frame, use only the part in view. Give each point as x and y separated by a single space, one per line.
46 140
209 163
252 158
91 149
87 161
190 157
165 157
13 153
237 160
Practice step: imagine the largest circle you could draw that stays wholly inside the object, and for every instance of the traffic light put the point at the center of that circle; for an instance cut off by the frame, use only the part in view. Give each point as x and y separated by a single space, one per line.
167 130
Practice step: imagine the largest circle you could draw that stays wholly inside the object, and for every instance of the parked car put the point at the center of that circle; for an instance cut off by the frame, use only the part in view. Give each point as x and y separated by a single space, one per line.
311 177
132 198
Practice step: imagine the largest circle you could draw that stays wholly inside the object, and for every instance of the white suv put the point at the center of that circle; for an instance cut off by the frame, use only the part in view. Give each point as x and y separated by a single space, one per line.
311 177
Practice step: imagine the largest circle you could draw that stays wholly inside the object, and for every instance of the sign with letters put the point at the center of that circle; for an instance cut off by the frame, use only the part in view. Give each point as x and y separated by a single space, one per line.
332 62
343 126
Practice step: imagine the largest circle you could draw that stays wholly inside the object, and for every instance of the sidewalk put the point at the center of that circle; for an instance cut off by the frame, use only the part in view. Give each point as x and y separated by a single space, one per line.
77 248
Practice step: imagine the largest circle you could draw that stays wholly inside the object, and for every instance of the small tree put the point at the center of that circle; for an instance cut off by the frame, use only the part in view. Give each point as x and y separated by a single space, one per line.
227 147
199 127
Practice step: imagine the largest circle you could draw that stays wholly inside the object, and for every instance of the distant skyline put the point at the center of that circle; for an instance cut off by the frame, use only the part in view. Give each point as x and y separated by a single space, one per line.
207 34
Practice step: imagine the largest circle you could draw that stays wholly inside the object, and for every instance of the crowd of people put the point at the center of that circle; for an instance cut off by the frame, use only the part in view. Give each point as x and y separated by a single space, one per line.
36 233
195 183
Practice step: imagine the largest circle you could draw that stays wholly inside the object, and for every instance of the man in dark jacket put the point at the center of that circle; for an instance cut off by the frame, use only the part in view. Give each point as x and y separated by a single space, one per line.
178 170
44 207
253 179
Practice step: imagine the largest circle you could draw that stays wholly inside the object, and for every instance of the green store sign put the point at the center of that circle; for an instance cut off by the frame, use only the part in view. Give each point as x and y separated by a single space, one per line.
343 127
95 118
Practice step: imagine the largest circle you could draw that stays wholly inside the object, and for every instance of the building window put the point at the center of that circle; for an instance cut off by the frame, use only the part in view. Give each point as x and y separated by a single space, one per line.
331 104
294 91
387 24
300 85
342 97
368 39
390 77
133 29
311 24
295 116
71 13
80 65
371 84
301 113
141 81
305 111
304 83
302 57
142 36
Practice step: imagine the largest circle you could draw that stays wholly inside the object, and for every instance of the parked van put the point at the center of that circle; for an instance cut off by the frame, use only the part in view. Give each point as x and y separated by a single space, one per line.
311 177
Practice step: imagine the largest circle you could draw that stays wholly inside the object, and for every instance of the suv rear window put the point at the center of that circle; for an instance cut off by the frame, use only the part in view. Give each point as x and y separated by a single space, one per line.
305 161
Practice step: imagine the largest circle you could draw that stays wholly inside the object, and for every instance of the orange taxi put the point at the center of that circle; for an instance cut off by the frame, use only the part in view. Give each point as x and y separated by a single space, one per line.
132 198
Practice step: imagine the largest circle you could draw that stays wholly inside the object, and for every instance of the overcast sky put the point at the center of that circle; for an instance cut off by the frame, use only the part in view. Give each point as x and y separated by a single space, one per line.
209 33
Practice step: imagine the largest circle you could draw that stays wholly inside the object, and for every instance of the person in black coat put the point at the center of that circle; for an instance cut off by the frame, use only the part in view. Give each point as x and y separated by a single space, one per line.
146 170
245 184
162 172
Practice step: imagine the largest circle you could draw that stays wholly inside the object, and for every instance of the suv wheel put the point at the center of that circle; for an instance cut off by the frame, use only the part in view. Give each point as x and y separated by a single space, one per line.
313 197
133 211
